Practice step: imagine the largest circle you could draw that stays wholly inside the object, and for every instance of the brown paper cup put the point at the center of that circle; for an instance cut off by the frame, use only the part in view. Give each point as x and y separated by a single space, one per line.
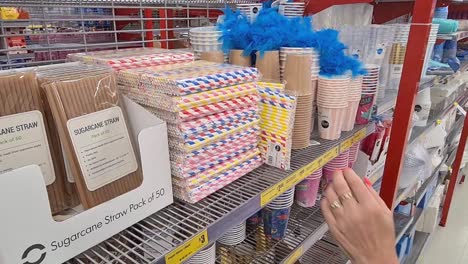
303 122
297 74
213 56
237 58
268 65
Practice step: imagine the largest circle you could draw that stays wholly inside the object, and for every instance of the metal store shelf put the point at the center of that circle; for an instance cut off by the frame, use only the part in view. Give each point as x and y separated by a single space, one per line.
454 36
402 223
420 241
305 224
174 232
324 251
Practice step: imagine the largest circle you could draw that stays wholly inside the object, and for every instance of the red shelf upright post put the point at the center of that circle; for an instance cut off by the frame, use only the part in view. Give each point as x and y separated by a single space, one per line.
167 28
413 65
149 26
455 171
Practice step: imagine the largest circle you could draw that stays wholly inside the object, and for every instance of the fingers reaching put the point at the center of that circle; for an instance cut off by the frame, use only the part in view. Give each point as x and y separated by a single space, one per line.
334 201
360 191
342 189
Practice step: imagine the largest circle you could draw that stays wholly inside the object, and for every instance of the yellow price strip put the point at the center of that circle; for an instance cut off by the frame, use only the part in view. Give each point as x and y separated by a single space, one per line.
360 135
329 155
183 252
287 183
295 256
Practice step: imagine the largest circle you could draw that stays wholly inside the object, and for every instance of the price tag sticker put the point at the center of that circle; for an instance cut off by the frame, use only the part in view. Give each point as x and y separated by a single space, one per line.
345 145
188 249
295 256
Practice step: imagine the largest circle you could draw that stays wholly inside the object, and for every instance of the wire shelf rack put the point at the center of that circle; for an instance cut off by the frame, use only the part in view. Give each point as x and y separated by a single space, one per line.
153 238
46 31
325 251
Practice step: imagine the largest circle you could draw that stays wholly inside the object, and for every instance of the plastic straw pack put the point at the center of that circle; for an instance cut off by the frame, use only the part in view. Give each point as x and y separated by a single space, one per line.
213 120
277 111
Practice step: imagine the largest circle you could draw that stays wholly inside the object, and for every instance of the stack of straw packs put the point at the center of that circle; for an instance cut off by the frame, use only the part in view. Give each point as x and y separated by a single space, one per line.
277 110
27 136
134 58
81 99
213 122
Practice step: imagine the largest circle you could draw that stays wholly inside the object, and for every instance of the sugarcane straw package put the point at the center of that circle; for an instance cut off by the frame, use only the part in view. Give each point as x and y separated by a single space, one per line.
26 137
95 137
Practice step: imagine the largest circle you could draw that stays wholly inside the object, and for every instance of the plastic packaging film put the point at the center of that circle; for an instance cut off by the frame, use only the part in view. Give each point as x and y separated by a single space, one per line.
24 118
213 120
276 136
89 100
134 58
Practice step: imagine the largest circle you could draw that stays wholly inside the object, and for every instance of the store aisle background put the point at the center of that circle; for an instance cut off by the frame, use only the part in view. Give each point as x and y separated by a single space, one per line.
449 244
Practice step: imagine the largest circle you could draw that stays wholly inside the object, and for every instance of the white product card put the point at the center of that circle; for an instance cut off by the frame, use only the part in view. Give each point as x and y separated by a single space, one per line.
103 147
23 142
274 155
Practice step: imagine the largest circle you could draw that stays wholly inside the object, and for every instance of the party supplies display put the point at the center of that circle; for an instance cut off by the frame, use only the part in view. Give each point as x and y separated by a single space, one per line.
213 121
277 112
134 58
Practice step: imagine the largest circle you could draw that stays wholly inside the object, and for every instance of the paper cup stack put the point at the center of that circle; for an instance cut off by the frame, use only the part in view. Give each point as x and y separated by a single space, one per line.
250 10
354 97
234 236
205 39
292 9
370 83
338 163
298 82
332 102
276 215
315 56
307 190
353 154
205 256
430 47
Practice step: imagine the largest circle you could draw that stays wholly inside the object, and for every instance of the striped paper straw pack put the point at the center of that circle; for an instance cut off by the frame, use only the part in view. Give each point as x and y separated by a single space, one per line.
196 194
189 161
212 112
277 110
195 77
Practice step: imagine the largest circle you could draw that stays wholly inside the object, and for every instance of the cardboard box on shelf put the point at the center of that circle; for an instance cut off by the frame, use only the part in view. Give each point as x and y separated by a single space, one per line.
23 196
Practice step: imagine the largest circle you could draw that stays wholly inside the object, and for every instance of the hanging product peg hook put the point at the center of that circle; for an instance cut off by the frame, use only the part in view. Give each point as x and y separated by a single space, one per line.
460 108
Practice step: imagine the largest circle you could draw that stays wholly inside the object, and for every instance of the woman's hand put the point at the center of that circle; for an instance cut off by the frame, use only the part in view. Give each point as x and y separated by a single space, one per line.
359 220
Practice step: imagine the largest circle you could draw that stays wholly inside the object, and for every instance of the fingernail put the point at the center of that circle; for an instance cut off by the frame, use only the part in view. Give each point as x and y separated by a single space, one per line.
367 182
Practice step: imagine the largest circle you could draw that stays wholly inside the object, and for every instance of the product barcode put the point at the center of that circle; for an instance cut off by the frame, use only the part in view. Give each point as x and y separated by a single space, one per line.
270 160
397 68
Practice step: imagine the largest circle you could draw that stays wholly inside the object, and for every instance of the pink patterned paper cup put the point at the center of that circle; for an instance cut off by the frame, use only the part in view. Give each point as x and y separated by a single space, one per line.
365 109
307 191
